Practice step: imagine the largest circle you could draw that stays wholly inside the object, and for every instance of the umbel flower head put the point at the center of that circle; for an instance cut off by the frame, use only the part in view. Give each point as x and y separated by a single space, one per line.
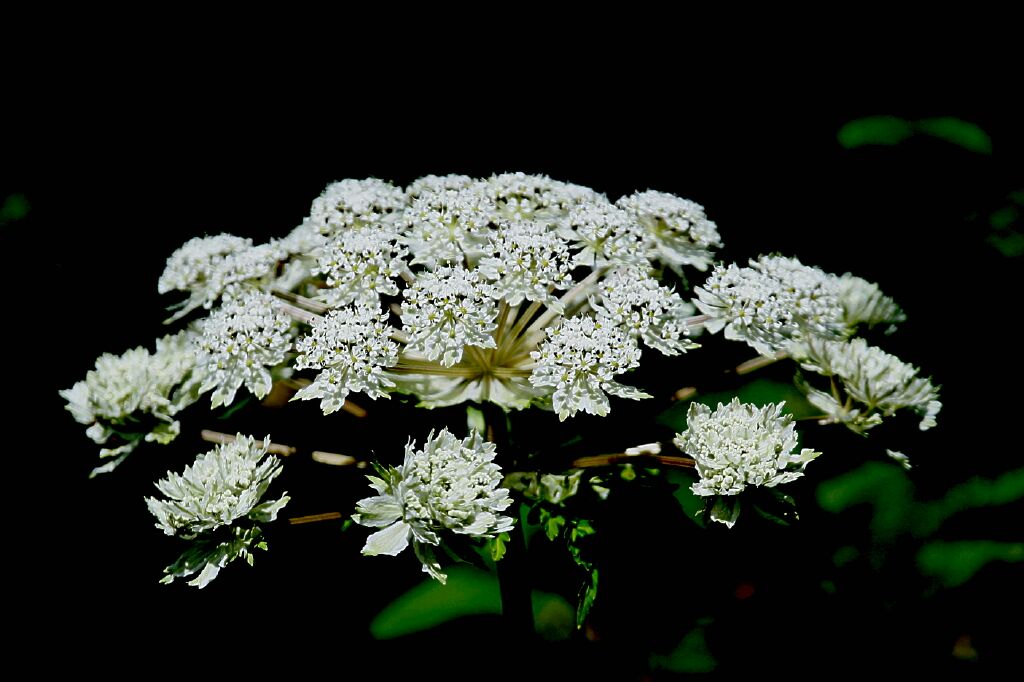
240 340
878 382
222 487
136 395
451 485
464 289
740 445
779 300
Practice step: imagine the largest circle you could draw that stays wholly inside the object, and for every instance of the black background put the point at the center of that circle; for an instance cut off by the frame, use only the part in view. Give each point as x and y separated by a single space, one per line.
119 175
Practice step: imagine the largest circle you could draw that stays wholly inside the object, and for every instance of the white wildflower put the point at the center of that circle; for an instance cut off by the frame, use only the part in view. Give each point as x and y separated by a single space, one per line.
205 266
580 360
451 485
221 487
604 234
864 303
677 230
633 300
353 347
436 184
524 197
740 445
900 459
136 395
771 303
360 266
528 262
881 383
240 340
352 204
448 226
447 310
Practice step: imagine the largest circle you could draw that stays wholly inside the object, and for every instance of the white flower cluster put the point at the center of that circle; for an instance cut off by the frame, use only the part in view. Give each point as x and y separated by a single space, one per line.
740 445
778 300
476 271
352 204
580 361
239 341
447 310
676 230
206 267
136 396
221 487
633 300
529 262
771 303
360 265
864 303
451 485
878 382
352 346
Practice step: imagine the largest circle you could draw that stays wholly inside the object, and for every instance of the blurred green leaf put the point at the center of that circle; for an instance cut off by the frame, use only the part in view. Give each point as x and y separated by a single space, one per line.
15 207
884 486
874 130
691 655
954 563
693 505
957 131
974 494
469 592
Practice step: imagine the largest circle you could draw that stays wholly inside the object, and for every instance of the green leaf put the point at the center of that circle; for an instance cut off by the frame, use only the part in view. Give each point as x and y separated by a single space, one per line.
588 593
957 131
874 130
691 655
498 546
884 486
468 592
15 207
954 563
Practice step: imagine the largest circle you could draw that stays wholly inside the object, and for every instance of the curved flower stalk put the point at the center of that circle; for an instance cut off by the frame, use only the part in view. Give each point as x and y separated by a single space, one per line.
136 396
876 384
450 486
740 445
222 488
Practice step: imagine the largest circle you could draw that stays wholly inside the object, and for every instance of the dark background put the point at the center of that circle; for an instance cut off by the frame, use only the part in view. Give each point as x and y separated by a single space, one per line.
118 176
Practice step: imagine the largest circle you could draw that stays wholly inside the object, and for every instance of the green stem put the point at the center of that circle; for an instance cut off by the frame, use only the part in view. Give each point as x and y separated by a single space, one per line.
513 569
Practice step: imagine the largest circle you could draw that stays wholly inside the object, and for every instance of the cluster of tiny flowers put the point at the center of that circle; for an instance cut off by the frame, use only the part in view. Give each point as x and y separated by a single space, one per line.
352 204
447 310
864 303
740 445
879 382
352 346
136 395
632 300
580 361
239 341
448 226
207 266
360 266
474 264
451 485
222 486
771 303
529 260
676 230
